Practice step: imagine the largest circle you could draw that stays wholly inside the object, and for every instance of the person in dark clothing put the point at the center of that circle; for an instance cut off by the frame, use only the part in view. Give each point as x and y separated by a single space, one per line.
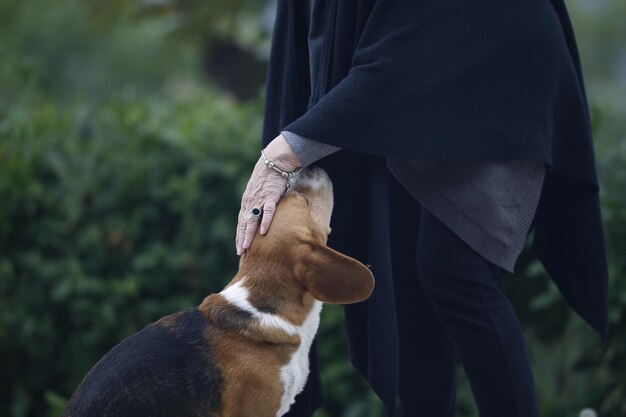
449 129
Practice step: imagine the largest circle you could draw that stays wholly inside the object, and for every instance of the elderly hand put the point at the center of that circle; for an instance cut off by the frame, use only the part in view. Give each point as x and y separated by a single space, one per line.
264 189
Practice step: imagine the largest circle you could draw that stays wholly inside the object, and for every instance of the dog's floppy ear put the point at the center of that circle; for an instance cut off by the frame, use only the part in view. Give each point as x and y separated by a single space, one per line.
332 277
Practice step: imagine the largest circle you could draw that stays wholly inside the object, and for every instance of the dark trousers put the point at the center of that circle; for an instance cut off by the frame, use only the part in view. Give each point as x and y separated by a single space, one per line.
451 307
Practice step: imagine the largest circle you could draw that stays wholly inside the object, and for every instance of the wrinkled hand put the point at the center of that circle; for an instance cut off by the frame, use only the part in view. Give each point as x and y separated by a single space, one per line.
264 189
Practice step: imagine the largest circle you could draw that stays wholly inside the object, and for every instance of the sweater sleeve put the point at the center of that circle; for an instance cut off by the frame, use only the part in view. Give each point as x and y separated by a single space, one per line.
422 78
379 105
308 151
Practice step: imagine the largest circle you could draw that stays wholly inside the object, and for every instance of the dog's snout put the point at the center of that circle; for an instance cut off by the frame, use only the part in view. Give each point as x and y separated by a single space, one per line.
315 185
312 179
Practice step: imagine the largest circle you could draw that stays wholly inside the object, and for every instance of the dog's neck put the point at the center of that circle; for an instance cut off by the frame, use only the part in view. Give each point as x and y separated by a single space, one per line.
262 312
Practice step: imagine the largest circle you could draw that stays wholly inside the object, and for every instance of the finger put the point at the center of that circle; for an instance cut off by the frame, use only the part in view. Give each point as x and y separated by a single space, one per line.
251 227
241 231
268 214
242 224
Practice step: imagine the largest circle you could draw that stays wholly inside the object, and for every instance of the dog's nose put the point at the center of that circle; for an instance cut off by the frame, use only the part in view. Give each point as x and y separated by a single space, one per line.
315 186
312 179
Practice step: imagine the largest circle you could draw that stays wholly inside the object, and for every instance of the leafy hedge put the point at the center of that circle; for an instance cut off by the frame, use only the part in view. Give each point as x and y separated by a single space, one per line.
109 218
573 368
606 363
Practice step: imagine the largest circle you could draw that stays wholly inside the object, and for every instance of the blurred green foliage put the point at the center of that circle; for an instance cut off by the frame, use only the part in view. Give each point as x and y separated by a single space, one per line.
122 162
110 219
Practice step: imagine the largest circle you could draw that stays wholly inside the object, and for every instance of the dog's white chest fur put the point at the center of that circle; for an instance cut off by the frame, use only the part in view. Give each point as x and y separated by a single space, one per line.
293 376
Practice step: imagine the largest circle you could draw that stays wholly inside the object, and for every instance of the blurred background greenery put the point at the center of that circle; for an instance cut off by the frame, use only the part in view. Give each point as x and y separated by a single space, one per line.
127 132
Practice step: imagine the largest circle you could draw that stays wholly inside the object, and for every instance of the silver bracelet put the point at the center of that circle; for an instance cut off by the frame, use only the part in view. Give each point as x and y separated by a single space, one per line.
286 174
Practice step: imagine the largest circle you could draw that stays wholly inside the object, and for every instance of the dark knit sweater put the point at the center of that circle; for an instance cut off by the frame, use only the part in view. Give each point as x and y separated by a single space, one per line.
489 204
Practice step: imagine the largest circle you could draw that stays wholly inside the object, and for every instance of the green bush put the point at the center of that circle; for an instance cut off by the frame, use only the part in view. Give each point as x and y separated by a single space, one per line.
573 368
109 219
606 362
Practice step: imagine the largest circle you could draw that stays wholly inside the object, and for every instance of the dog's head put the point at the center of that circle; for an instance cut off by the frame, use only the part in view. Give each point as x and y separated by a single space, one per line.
296 244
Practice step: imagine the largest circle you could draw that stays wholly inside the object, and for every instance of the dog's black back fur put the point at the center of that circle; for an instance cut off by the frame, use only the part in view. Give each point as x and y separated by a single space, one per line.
164 370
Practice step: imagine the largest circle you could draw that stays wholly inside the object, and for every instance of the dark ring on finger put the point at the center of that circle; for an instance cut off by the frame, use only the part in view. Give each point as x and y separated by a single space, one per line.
255 213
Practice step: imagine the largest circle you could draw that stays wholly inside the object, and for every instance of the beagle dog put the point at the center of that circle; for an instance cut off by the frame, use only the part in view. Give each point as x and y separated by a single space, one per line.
242 352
